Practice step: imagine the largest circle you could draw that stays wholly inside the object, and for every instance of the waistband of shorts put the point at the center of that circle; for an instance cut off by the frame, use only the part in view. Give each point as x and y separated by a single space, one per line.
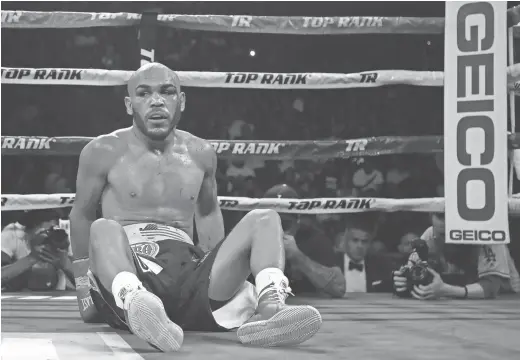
156 232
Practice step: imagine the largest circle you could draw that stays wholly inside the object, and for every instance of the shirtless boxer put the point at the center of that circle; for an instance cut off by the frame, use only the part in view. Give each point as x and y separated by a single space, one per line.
145 273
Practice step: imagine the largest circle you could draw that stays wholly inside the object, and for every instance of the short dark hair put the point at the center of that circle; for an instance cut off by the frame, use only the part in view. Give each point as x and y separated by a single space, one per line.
363 222
32 218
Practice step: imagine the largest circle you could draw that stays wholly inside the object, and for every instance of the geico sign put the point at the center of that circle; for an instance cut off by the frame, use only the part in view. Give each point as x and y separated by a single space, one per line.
471 107
479 235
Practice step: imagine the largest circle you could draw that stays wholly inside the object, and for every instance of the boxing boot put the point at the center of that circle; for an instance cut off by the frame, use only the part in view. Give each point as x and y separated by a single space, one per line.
277 324
147 318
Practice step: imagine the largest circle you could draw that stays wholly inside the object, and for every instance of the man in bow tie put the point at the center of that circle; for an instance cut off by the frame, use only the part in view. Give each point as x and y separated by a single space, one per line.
363 272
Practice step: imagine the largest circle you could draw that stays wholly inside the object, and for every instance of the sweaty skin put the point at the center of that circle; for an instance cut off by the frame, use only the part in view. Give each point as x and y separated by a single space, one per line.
147 186
149 172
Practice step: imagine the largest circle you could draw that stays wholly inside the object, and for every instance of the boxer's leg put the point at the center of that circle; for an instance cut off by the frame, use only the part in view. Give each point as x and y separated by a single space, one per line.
110 253
113 264
254 244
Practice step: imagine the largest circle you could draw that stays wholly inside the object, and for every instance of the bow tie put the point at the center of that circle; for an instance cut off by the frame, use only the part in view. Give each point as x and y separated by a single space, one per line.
355 266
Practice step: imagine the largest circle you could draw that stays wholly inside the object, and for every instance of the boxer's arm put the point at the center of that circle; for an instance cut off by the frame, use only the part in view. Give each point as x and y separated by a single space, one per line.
90 182
208 216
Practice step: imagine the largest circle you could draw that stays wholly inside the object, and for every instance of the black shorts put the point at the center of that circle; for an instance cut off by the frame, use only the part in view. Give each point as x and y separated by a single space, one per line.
182 286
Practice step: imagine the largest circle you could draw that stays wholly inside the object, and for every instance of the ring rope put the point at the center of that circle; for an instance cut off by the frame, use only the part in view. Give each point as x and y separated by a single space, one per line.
301 25
297 206
288 25
263 149
243 80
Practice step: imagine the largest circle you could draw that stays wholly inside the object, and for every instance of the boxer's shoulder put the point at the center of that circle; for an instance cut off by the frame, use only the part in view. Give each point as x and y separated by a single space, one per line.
107 148
199 149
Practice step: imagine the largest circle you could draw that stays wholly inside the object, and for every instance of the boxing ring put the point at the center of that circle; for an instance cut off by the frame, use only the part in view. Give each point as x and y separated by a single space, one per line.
372 326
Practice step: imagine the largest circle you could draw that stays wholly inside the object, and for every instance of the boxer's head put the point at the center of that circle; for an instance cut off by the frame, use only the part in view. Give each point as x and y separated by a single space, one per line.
155 100
290 222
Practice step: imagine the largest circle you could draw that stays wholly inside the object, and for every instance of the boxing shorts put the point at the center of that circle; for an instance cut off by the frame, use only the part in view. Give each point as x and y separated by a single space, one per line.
169 265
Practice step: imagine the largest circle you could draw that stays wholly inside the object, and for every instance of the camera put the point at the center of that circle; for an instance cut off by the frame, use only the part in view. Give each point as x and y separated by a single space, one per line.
416 270
417 274
56 238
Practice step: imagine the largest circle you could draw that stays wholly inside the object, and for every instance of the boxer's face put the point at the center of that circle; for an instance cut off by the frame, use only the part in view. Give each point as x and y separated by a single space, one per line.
155 100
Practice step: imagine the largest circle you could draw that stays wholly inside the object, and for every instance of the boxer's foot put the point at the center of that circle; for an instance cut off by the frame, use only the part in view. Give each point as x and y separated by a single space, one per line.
278 324
147 319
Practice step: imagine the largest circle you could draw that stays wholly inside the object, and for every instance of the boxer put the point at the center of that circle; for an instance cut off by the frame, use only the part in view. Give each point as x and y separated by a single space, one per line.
137 267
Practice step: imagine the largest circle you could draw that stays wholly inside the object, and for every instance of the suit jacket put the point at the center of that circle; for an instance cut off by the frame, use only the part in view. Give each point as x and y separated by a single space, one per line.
378 271
314 243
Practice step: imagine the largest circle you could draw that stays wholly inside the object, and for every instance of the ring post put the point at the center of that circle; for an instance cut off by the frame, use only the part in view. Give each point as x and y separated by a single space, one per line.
148 37
475 123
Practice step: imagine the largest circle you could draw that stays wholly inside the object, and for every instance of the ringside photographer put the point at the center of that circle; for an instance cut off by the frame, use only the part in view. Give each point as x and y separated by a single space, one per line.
36 254
436 269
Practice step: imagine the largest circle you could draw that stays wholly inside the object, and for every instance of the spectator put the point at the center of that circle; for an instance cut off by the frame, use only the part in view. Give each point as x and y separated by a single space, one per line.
367 180
237 173
363 272
55 182
310 259
463 271
28 262
111 59
240 129
395 179
405 244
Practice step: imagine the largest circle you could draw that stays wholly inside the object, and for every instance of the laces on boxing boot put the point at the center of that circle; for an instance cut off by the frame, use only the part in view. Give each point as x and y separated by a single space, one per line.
275 293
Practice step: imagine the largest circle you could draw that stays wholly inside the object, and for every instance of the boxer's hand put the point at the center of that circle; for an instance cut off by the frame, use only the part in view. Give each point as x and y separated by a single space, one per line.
87 308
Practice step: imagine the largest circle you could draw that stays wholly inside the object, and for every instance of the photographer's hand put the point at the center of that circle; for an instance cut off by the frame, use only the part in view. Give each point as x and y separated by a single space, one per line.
45 254
400 282
434 290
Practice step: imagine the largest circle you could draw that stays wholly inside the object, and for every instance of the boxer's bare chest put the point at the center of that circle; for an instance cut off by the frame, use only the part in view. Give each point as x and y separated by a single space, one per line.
156 181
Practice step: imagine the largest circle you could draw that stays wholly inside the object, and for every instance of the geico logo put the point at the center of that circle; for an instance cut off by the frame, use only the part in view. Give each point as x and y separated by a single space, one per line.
480 235
479 19
228 203
330 204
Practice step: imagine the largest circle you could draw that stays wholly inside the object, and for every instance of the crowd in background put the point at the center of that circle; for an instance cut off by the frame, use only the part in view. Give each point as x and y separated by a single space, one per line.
244 114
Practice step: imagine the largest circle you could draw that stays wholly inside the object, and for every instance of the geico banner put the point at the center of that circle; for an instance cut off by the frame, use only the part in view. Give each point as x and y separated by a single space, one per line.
475 123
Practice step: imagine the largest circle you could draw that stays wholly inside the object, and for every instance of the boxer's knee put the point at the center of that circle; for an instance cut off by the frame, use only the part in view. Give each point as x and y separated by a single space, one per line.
106 234
263 217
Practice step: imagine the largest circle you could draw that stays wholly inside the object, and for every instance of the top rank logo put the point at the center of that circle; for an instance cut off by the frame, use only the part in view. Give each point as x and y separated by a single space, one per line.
342 22
11 17
353 204
27 143
242 148
42 74
266 79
